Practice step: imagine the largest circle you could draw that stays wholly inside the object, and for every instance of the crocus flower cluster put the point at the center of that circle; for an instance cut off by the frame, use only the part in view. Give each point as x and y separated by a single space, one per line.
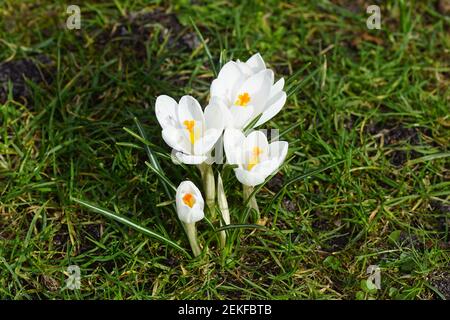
243 93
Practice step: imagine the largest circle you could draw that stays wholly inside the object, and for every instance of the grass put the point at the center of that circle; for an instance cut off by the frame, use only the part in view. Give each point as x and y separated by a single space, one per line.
367 182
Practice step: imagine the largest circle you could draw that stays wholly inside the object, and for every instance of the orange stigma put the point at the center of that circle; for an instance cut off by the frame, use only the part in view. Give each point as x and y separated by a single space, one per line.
189 200
243 99
254 159
190 124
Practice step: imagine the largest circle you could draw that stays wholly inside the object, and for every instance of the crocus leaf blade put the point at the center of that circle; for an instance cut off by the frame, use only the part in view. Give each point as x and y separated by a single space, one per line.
130 223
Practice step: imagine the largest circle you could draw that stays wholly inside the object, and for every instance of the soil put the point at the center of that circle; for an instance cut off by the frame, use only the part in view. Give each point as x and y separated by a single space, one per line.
89 231
350 121
337 243
356 6
172 262
60 240
38 70
395 134
290 205
276 183
442 283
440 207
136 28
257 259
410 241
443 221
319 221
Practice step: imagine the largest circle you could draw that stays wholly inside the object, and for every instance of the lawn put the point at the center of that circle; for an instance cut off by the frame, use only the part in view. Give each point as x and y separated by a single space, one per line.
366 182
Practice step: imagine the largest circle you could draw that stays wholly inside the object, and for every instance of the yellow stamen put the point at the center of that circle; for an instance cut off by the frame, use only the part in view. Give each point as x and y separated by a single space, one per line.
190 124
254 159
243 99
189 200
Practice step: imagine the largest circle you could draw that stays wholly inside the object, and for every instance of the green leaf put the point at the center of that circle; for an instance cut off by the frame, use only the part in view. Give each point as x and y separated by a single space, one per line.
240 226
332 262
360 295
393 292
252 123
395 236
131 224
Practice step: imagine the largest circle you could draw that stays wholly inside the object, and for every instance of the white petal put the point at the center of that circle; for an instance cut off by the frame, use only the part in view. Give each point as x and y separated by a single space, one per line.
190 215
256 139
176 139
245 69
277 87
190 159
165 109
194 215
274 105
256 63
219 88
190 109
213 115
226 115
271 76
207 142
185 213
233 140
241 115
189 187
248 178
230 77
278 151
182 210
265 168
258 88
230 71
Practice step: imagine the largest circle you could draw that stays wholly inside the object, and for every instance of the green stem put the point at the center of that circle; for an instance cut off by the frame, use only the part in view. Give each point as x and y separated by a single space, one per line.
191 232
247 191
209 187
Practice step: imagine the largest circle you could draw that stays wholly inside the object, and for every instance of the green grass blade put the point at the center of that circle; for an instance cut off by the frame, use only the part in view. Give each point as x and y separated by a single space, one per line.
288 183
429 157
131 224
252 123
208 53
153 164
240 226
151 155
163 178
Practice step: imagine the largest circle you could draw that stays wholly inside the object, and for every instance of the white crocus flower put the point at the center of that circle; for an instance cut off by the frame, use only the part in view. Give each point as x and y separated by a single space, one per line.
191 132
243 90
255 157
190 207
256 160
